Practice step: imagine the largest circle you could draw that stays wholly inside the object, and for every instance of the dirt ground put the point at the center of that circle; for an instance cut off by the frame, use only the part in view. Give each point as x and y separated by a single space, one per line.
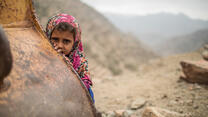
158 83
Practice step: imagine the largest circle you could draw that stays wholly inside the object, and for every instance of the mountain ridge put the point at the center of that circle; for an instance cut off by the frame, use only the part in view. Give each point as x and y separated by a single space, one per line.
184 44
166 24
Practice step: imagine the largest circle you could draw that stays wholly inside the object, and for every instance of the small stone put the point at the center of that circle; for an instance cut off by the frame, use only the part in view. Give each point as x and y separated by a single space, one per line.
173 102
110 114
176 100
150 103
190 102
119 113
164 96
181 111
139 103
138 113
196 107
129 97
181 79
103 115
99 114
128 113
178 69
196 86
158 112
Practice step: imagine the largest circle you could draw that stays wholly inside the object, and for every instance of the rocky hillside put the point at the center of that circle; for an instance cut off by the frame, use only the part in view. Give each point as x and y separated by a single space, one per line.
184 44
105 46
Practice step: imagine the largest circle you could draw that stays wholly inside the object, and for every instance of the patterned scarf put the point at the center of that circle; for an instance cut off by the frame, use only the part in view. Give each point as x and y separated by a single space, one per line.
76 57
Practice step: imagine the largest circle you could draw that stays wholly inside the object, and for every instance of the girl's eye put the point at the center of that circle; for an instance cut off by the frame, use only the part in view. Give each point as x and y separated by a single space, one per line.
65 41
55 39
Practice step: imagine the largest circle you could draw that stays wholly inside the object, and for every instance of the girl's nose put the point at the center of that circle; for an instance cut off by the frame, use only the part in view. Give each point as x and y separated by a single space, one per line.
60 45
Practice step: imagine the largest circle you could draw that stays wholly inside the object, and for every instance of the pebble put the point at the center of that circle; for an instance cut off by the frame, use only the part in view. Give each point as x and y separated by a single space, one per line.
164 96
128 113
139 103
110 114
190 102
196 86
196 107
119 113
181 111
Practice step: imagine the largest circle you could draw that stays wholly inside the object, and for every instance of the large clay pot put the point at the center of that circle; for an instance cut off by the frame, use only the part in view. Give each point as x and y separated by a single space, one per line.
40 84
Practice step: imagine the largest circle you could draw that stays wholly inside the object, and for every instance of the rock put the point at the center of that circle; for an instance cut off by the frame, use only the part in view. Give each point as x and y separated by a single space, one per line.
110 114
139 103
196 107
138 113
189 102
196 86
123 113
164 96
99 114
128 113
103 115
119 113
172 103
195 72
205 55
206 46
181 111
158 112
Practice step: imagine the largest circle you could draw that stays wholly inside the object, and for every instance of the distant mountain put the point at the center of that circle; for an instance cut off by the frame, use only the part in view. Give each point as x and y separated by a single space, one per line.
183 44
105 45
165 24
164 32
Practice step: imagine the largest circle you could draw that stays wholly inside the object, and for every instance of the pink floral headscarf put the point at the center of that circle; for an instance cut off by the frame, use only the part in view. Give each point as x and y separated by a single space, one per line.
76 57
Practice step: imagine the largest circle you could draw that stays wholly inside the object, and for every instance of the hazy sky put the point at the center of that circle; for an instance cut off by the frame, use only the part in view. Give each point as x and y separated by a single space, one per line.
197 9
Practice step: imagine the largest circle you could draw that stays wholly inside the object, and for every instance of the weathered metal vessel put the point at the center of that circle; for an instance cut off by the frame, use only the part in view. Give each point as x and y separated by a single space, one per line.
40 84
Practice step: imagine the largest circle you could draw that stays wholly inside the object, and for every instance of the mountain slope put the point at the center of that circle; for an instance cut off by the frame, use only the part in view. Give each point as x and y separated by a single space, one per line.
184 44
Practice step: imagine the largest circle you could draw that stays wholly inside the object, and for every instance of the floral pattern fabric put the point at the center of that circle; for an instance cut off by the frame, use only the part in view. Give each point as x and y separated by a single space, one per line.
76 57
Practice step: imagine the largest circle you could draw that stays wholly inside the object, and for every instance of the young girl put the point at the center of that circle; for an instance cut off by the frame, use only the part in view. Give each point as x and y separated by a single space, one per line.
64 34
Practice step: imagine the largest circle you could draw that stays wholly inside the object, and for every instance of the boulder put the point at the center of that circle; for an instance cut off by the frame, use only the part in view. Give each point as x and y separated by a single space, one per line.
206 46
195 72
205 55
158 112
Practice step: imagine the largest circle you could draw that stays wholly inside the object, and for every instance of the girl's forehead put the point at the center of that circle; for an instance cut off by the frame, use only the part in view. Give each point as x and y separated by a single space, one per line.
56 31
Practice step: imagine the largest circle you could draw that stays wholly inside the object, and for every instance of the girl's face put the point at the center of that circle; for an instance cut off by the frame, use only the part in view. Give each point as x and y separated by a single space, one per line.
63 41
